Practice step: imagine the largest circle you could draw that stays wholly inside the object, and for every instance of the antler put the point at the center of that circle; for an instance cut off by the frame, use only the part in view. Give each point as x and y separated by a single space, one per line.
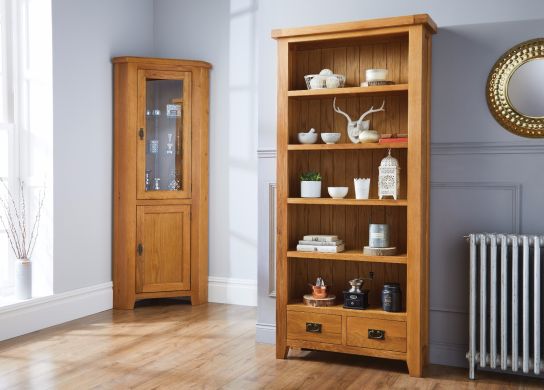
372 110
340 111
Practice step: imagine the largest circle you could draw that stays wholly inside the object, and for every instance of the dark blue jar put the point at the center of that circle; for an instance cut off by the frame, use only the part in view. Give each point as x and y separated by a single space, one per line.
391 297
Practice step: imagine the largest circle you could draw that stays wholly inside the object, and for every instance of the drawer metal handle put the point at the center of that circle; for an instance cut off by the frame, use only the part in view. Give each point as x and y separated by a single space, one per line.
313 327
376 334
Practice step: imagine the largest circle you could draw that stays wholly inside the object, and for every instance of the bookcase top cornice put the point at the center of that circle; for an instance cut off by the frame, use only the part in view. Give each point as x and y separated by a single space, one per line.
369 24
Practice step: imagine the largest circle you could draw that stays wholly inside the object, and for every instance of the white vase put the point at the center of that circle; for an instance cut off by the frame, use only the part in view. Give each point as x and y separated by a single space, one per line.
310 189
23 279
362 188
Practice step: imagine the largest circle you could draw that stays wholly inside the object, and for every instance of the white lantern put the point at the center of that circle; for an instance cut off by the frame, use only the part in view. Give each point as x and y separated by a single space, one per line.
389 178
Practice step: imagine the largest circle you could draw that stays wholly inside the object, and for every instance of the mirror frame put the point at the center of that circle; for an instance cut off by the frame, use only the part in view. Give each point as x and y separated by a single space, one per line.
497 90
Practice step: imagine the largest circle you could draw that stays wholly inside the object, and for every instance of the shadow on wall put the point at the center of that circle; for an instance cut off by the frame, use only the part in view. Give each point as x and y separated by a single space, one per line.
242 140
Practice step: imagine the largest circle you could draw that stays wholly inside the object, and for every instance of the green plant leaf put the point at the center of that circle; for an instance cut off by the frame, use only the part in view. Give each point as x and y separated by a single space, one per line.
310 176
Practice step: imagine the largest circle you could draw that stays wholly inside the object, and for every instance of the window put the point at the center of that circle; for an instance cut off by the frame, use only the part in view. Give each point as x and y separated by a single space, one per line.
26 117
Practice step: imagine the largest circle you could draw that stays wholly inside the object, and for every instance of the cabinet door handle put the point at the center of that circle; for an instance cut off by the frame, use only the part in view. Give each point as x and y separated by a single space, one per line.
313 327
376 334
140 249
141 133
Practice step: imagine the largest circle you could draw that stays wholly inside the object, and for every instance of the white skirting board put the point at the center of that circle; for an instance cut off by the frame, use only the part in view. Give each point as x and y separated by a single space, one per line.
232 291
39 313
265 333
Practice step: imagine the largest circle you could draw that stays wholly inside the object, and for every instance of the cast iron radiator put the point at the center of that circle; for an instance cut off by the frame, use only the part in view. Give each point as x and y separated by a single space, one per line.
505 303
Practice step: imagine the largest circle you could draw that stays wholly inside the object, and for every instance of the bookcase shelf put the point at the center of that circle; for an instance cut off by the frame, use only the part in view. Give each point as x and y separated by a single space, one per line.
348 255
403 46
371 312
346 146
348 91
349 202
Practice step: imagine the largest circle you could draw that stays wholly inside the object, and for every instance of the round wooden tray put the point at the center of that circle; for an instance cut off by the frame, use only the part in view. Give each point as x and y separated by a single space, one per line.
376 83
319 302
391 251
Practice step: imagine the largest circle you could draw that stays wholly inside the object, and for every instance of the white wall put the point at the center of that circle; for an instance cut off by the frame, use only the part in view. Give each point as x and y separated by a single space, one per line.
86 34
222 33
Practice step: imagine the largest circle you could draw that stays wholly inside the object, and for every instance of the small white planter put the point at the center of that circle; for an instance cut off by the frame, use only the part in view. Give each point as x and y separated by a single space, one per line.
23 279
310 189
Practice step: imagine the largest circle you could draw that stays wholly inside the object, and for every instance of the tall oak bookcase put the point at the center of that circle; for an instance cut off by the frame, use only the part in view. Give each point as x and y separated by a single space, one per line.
403 46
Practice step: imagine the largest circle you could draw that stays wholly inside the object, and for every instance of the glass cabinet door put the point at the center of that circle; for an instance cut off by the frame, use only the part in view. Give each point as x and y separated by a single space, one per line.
164 144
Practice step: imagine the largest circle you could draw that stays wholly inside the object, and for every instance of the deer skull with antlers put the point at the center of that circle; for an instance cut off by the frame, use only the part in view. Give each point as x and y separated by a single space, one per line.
355 128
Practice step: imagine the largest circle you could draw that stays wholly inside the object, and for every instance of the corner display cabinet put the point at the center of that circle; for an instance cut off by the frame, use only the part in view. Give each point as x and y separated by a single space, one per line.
402 45
160 243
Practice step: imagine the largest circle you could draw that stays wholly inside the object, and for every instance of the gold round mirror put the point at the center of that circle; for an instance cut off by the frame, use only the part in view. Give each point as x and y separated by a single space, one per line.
515 89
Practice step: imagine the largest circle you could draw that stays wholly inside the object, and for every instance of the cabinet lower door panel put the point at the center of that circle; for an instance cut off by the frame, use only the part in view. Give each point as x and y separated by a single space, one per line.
163 249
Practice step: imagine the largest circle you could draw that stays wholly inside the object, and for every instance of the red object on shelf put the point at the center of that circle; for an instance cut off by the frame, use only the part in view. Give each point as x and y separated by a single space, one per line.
388 140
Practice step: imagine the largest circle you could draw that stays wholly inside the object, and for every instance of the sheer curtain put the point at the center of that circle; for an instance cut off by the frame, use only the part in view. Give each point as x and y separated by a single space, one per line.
9 144
26 131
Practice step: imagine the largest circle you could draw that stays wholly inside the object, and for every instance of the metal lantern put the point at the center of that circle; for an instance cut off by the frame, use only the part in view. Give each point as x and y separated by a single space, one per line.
389 178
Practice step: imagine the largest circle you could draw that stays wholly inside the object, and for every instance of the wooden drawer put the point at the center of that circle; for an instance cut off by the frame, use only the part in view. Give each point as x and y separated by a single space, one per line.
365 332
324 328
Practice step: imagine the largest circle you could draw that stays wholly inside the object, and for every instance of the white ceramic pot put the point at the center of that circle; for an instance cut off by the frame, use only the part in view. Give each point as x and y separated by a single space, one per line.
310 189
23 279
362 188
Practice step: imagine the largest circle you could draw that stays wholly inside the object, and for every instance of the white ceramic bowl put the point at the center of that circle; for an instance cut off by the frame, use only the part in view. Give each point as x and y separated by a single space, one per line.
330 138
376 75
307 138
338 192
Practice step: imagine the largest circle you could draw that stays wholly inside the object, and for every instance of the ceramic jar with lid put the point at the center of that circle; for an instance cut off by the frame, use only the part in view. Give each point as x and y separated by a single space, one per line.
391 297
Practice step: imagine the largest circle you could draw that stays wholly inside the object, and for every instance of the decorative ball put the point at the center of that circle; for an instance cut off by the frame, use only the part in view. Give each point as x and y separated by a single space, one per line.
326 72
333 82
316 82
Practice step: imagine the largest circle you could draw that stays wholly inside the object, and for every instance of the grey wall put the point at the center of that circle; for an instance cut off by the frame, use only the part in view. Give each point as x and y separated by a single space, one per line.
86 34
223 33
483 178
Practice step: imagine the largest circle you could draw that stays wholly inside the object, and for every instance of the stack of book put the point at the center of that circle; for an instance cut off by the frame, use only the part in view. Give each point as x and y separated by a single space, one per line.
320 243
399 137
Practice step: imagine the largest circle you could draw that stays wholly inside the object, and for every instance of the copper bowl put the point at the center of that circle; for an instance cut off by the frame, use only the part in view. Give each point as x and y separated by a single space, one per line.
319 291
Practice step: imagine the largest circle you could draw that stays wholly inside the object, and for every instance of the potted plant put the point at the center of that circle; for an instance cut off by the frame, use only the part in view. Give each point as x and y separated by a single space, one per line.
22 233
310 185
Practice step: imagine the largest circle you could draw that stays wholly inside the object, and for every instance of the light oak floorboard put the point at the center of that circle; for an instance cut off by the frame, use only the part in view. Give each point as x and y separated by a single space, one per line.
169 344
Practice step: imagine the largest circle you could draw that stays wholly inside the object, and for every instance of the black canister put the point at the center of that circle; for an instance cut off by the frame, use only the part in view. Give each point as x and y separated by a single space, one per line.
391 297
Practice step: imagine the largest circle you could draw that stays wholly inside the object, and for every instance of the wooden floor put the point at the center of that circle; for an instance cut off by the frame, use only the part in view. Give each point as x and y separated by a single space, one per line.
170 344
